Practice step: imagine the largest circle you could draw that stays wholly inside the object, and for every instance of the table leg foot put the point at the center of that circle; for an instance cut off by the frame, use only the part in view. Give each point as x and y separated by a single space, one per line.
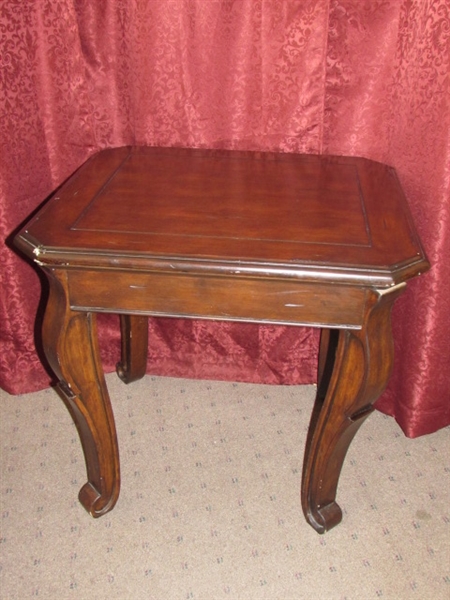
354 368
71 346
134 340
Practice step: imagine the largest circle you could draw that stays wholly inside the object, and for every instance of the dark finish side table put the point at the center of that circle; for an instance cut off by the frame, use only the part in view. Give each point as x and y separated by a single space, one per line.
259 237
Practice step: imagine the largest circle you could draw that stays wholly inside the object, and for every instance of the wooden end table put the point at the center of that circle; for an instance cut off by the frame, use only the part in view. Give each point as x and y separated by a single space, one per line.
293 239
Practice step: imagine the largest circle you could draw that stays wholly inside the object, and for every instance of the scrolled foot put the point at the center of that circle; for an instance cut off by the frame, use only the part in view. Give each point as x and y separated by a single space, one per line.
93 501
325 518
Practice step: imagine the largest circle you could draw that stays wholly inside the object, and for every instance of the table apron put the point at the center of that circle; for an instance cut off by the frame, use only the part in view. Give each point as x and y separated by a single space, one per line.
217 297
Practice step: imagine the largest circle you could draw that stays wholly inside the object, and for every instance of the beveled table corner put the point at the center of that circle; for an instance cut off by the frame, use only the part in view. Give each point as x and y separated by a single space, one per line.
322 241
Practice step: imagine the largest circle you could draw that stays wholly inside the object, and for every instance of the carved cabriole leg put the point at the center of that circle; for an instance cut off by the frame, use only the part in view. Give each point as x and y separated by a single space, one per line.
354 368
134 336
71 346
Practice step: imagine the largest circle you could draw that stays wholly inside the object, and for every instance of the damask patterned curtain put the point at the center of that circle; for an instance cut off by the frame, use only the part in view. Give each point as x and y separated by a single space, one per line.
359 77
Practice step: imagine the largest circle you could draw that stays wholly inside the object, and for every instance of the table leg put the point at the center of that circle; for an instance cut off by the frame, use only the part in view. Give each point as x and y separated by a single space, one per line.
354 368
71 346
134 335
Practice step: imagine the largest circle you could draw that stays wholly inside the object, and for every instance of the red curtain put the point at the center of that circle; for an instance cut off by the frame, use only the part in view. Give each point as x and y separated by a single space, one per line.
359 77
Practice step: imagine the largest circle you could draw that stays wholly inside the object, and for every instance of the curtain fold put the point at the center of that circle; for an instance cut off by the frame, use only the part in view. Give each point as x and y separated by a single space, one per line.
388 94
357 77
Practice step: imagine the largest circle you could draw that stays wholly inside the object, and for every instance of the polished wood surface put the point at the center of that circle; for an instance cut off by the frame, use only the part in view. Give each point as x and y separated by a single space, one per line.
311 217
257 237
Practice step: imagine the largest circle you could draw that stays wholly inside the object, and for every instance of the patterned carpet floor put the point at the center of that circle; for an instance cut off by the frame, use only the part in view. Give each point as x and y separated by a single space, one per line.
210 508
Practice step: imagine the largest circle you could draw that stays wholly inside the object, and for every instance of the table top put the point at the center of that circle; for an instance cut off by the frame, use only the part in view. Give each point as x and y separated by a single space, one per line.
312 217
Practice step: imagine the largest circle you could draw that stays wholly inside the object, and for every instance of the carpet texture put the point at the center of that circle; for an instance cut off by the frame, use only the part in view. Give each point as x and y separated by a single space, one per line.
210 507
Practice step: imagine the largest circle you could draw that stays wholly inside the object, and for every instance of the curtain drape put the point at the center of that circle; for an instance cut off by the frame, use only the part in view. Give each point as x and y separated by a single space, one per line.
358 77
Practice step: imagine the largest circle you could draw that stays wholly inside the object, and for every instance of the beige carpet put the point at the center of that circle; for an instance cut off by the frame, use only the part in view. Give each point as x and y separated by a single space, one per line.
209 507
